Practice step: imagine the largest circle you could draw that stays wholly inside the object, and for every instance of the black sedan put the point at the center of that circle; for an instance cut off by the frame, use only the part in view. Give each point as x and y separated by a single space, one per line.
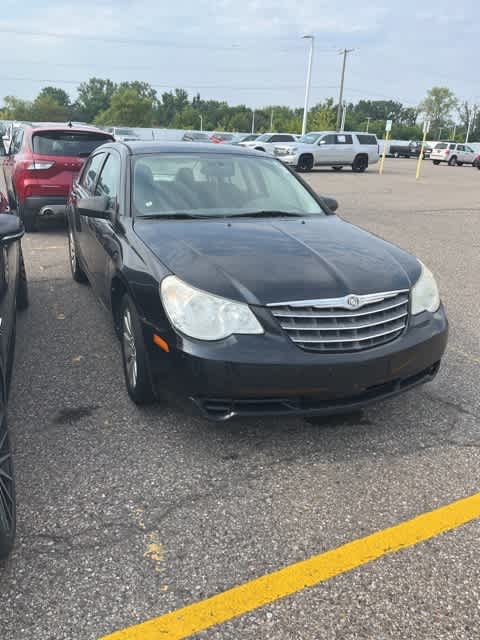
236 290
13 296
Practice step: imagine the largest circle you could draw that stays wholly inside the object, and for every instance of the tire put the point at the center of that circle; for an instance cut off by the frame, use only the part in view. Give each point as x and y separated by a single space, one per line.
453 161
337 168
436 162
28 218
305 164
7 493
134 354
360 164
22 288
78 274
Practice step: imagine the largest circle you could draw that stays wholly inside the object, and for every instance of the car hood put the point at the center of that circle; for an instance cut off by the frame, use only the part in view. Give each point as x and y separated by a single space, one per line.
265 261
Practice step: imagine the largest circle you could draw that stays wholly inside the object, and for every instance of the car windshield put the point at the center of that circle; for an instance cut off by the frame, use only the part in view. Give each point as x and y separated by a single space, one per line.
65 143
249 138
309 138
216 185
264 138
125 132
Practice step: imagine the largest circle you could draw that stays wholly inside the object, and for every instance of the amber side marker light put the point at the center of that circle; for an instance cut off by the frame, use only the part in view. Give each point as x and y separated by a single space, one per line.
160 342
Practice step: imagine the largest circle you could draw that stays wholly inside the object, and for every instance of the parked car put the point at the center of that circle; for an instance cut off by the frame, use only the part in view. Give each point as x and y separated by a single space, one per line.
267 141
427 151
328 148
245 137
13 296
404 149
41 164
452 153
221 138
196 136
124 134
235 290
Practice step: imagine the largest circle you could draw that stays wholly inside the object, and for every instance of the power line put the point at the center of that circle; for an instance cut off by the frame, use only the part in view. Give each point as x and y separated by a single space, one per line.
160 42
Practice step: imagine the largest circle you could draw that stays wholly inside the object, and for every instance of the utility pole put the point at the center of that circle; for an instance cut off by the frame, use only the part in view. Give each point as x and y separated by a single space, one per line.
470 122
307 83
344 115
271 121
253 121
345 53
368 124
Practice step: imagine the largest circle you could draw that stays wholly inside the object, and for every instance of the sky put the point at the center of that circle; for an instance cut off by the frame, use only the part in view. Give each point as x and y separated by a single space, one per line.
244 51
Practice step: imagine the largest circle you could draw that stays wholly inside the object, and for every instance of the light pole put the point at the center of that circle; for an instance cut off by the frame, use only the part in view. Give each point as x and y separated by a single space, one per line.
308 82
271 120
344 115
470 122
345 53
201 122
368 124
253 121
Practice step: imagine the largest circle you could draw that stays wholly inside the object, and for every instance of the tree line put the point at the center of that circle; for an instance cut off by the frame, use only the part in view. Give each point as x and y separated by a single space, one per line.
137 104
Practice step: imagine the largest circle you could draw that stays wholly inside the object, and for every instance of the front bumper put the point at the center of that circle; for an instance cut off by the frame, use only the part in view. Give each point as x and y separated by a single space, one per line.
270 375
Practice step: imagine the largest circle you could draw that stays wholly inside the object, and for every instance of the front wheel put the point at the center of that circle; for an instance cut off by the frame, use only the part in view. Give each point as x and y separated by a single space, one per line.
7 493
134 354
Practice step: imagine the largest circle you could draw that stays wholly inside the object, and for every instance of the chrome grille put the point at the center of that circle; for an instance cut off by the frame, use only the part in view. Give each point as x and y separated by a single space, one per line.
352 323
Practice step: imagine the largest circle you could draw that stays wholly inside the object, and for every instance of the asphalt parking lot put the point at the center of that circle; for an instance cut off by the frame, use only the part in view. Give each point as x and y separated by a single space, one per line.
127 513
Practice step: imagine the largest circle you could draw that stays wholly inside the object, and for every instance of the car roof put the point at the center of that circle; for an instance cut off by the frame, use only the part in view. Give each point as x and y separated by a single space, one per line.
145 147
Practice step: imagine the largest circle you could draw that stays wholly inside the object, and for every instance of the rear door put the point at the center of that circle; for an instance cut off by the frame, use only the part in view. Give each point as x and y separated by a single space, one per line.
344 151
85 188
104 246
60 155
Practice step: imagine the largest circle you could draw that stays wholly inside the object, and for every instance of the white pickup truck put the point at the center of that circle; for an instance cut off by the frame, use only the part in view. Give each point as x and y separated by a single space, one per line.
330 148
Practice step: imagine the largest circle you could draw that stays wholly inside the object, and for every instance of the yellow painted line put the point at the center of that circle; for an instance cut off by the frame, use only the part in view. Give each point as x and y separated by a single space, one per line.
199 616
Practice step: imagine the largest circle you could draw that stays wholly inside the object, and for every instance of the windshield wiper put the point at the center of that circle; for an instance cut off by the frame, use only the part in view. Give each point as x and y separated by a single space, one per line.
266 214
173 216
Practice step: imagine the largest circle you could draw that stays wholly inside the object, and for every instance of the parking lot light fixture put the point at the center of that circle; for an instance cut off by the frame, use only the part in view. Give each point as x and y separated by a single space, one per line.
308 82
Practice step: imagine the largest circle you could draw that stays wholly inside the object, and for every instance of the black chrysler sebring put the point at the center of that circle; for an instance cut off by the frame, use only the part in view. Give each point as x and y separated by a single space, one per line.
236 290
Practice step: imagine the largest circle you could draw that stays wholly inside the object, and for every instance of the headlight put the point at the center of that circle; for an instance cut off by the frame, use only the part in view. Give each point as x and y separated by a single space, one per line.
425 296
205 316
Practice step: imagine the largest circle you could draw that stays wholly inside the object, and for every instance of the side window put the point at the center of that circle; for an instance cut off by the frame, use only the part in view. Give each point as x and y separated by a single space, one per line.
328 139
469 149
17 141
451 147
90 173
344 139
276 138
284 138
460 147
109 181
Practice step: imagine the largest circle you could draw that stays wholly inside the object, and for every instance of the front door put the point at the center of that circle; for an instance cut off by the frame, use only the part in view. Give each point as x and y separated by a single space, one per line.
325 154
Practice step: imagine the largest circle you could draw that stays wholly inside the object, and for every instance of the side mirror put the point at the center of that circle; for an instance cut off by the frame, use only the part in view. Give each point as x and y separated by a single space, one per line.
94 207
322 141
331 203
11 228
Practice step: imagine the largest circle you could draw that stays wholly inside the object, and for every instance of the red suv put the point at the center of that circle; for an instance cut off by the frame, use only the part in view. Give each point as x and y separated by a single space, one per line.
41 164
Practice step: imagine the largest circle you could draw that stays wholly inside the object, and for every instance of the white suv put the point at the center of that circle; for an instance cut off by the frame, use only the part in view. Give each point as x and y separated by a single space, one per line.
268 141
329 148
452 153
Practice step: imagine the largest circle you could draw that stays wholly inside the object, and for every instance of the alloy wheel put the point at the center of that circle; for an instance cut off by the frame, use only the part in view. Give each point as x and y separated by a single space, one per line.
7 486
129 349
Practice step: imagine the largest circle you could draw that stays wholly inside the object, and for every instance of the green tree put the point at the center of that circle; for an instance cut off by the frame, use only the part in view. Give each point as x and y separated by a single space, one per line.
127 108
437 107
16 109
46 109
93 97
59 95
